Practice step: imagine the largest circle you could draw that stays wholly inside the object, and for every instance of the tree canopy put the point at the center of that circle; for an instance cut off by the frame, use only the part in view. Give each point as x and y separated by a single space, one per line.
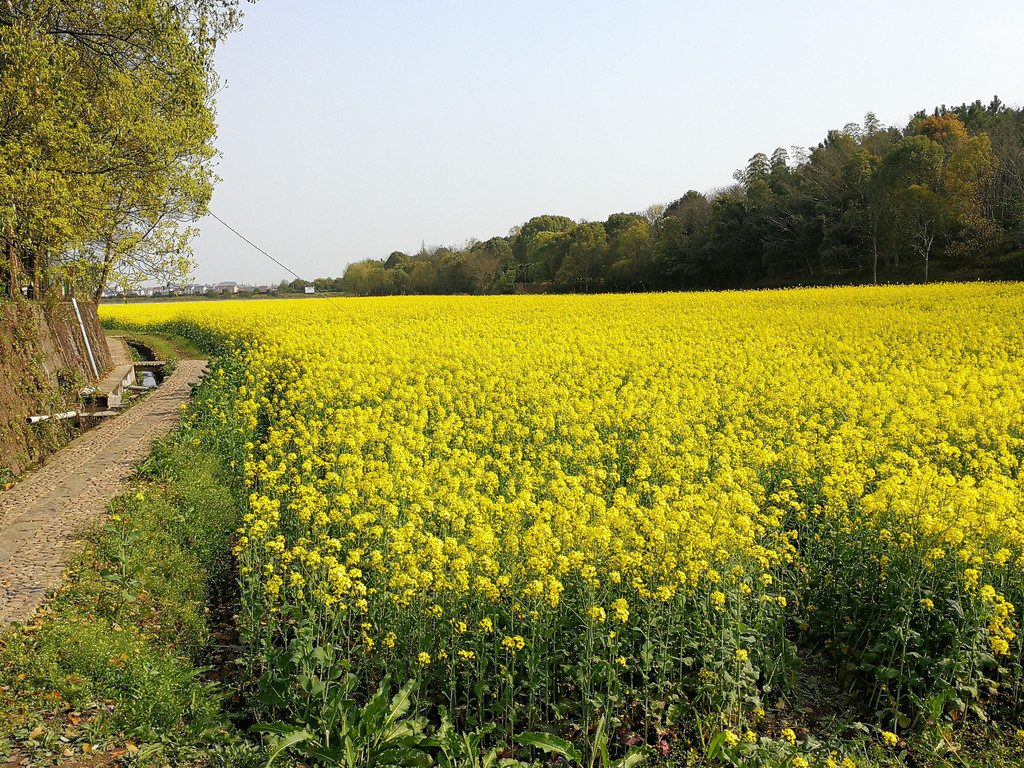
106 138
870 203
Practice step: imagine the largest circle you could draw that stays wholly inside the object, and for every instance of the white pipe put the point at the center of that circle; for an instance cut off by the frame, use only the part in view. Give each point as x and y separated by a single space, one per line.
88 346
56 417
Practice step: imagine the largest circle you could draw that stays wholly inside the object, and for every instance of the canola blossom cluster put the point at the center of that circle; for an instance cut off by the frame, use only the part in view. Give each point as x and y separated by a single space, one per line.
528 501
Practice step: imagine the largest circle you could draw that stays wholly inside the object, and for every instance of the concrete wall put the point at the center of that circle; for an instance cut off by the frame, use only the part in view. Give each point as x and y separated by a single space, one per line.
43 363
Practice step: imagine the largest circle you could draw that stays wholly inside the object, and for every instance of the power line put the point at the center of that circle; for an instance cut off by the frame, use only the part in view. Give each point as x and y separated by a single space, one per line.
316 293
250 242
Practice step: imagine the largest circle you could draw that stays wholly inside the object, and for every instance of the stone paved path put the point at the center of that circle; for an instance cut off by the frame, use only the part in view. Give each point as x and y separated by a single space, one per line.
42 517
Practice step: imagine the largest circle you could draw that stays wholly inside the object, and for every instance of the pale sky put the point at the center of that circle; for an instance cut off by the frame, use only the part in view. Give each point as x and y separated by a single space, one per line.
349 130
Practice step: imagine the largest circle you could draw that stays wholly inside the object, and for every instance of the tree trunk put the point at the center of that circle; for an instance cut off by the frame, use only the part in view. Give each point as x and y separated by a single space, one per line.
13 262
108 260
874 254
32 270
925 251
39 281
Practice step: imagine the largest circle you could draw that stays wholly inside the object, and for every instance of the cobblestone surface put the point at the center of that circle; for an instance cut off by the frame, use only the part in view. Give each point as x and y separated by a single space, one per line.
42 517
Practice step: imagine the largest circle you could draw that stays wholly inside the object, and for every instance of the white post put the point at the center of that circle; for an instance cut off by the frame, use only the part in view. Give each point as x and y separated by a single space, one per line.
88 346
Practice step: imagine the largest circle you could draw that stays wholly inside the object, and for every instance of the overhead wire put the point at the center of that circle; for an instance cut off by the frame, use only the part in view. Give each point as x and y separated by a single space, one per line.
283 266
250 242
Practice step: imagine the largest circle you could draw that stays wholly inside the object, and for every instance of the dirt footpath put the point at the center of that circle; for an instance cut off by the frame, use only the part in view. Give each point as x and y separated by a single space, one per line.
43 516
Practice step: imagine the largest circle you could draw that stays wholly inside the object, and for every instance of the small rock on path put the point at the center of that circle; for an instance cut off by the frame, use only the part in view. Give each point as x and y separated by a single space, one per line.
43 517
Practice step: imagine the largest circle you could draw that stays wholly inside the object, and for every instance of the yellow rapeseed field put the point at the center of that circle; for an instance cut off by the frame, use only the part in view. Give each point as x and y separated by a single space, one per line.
611 503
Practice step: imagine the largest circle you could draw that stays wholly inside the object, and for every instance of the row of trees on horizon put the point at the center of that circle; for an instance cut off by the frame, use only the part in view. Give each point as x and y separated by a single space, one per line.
943 195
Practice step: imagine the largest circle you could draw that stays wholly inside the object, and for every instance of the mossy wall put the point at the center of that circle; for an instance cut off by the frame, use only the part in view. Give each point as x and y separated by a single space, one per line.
43 364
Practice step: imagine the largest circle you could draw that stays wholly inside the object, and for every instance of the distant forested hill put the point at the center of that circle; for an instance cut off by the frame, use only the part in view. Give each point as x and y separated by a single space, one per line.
941 198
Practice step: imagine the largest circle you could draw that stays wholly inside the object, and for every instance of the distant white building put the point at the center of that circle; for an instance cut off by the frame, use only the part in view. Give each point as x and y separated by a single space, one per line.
310 289
189 289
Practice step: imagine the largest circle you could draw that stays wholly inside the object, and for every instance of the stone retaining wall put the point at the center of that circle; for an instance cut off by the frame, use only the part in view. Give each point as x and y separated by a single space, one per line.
43 363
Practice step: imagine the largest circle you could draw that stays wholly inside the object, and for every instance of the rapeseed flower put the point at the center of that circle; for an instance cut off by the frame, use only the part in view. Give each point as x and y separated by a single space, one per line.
540 464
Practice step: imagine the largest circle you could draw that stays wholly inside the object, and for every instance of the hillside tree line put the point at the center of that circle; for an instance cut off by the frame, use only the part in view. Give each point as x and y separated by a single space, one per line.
942 196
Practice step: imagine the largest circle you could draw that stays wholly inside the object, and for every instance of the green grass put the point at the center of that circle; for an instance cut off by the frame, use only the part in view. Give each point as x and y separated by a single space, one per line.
114 659
167 347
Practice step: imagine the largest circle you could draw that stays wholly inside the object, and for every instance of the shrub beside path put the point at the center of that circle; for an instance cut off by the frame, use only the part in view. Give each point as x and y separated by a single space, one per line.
43 516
